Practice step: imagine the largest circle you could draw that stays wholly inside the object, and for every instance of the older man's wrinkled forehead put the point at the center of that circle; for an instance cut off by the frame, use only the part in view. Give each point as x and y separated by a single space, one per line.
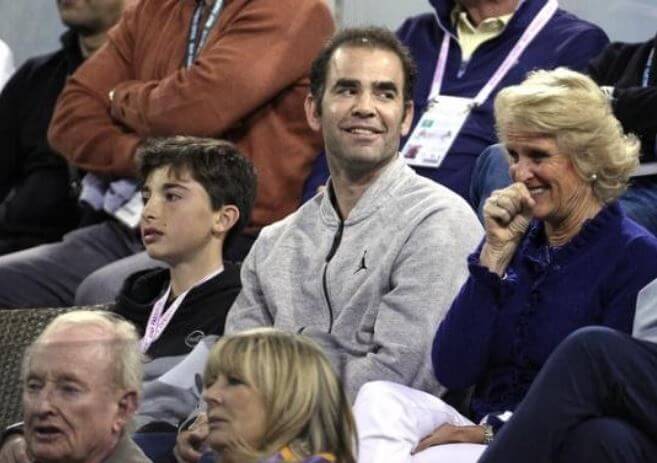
68 332
74 343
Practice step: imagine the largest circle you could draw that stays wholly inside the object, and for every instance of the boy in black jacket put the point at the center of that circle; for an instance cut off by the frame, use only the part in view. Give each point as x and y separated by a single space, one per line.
198 195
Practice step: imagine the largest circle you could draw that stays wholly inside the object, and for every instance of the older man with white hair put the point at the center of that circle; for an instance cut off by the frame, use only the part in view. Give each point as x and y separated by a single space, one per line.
81 386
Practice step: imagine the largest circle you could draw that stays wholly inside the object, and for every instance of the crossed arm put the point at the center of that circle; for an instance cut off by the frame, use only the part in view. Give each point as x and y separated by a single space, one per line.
256 51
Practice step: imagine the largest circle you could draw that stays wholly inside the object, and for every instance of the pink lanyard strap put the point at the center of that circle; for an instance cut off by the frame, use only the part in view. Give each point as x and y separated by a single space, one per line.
159 320
534 28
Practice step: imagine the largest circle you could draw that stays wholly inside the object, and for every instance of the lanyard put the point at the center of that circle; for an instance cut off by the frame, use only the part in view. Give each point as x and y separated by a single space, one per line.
646 81
646 71
527 37
194 47
158 321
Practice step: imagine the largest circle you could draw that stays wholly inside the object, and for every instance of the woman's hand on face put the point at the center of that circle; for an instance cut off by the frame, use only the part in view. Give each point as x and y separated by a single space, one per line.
190 442
507 214
450 434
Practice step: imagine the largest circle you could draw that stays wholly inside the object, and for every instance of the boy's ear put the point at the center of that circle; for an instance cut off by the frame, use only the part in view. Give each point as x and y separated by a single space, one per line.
225 218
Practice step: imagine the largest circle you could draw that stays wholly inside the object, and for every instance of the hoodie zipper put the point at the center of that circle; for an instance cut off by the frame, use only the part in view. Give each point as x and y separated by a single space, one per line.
334 247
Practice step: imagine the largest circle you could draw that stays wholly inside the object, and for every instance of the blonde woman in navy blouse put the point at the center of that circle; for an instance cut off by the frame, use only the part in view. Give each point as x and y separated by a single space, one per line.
558 254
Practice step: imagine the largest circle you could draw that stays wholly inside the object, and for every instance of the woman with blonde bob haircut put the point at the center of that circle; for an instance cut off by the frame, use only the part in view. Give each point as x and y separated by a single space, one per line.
273 396
558 254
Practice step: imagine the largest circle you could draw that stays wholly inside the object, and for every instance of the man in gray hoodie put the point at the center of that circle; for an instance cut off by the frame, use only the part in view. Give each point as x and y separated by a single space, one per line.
368 267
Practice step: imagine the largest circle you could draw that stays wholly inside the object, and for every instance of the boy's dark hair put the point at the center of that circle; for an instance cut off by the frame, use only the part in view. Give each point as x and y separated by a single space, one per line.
225 174
376 38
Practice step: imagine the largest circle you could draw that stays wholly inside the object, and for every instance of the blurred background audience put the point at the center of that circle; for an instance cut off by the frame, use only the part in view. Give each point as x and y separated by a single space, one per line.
39 189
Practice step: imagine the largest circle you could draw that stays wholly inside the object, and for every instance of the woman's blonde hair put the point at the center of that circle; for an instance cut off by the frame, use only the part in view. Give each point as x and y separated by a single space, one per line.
570 107
305 405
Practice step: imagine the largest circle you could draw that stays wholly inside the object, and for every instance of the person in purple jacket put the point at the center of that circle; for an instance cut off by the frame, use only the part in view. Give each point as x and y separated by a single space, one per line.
466 51
559 254
628 74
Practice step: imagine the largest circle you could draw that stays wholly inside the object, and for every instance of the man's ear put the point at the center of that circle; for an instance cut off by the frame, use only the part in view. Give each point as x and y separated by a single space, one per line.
225 218
407 121
313 113
127 406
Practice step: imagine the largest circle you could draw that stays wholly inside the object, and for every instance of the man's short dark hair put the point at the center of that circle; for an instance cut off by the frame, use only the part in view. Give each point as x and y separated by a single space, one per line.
225 174
376 38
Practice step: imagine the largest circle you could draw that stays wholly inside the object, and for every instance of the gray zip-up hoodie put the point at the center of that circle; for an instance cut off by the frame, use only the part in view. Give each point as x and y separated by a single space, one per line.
370 290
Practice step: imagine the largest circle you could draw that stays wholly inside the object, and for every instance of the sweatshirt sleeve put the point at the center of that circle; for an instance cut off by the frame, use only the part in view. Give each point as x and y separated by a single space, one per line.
262 52
428 272
462 343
